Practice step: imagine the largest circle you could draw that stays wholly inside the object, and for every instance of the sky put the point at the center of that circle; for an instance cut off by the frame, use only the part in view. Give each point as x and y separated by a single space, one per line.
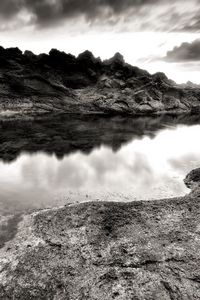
156 35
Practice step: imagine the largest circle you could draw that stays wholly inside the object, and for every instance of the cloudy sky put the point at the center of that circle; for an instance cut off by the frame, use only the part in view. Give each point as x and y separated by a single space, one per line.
157 35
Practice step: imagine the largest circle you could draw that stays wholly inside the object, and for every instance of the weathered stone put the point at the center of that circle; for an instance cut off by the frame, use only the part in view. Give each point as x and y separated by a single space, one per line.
192 180
36 84
144 250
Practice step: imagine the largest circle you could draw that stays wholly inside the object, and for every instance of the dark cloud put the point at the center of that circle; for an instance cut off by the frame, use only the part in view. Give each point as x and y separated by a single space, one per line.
194 23
48 10
186 52
163 14
9 8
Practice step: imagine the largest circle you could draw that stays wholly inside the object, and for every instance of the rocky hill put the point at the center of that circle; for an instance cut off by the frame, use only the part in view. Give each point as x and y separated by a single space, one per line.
60 82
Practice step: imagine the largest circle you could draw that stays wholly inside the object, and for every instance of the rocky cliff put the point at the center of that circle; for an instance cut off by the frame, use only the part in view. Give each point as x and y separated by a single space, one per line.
144 250
60 82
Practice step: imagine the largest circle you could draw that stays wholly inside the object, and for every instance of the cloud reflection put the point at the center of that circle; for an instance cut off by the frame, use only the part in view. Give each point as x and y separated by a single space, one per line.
145 168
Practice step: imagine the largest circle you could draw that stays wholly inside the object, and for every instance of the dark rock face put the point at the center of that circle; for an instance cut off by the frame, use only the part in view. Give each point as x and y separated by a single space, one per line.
192 180
60 82
103 250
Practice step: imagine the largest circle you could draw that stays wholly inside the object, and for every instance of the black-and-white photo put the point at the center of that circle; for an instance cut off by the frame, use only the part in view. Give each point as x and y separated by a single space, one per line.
99 150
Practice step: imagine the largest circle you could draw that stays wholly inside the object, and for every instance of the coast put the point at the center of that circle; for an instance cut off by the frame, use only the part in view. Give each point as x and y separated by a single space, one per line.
107 250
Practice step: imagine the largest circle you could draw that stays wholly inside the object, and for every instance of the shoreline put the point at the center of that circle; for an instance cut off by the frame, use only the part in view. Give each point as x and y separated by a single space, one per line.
107 250
10 115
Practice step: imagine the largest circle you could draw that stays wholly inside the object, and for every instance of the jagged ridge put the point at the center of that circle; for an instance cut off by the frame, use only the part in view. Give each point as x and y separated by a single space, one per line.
61 82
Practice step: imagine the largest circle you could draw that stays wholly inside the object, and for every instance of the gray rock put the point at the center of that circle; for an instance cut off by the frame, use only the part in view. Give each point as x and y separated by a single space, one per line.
144 250
36 84
192 180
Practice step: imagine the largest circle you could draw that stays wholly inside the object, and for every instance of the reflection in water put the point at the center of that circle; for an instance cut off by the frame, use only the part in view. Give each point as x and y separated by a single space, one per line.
86 159
67 134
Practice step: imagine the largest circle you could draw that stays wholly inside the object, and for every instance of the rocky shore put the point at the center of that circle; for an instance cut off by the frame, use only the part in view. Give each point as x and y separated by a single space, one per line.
58 82
144 250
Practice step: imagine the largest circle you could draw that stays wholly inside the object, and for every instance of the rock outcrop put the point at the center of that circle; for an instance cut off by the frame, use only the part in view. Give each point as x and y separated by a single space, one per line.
60 82
144 250
192 181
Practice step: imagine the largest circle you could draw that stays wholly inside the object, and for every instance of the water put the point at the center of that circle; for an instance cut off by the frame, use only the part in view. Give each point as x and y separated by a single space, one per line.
69 159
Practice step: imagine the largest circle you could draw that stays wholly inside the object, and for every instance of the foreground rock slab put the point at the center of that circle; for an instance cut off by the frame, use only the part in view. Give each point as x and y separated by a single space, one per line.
106 250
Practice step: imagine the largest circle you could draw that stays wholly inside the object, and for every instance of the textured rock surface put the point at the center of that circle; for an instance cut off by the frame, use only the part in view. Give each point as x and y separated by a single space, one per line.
60 82
139 250
192 181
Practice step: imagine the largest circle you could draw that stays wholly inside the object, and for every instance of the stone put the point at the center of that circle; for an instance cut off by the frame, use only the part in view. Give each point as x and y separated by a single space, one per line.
192 180
58 82
144 250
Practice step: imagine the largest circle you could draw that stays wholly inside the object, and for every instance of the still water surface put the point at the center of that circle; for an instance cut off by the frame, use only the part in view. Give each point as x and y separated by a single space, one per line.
74 159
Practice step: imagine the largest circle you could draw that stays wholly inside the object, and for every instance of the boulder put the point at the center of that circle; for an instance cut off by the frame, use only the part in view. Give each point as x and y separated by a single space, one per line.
192 180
